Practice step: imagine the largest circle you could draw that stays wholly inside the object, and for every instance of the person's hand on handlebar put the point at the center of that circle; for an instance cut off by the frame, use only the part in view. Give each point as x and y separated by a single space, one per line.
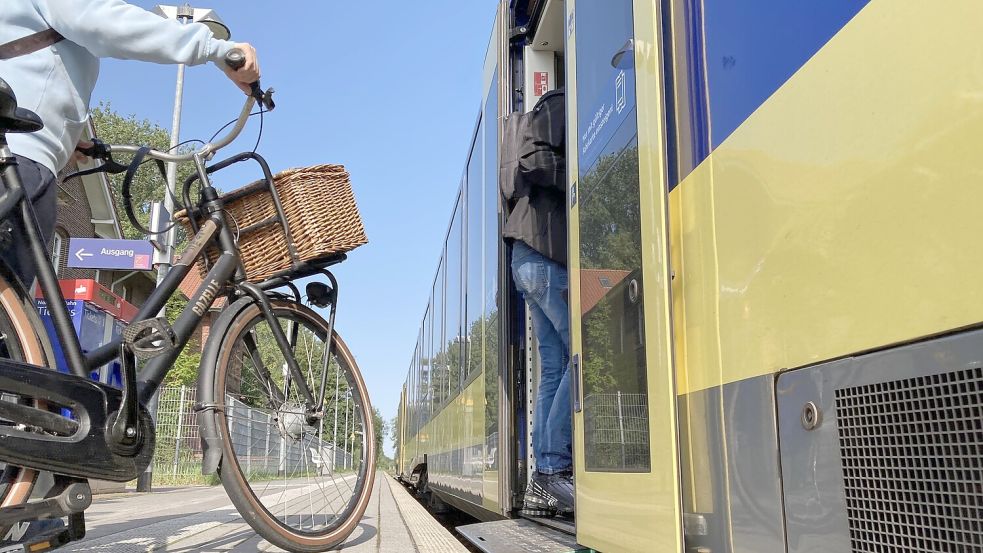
80 155
248 73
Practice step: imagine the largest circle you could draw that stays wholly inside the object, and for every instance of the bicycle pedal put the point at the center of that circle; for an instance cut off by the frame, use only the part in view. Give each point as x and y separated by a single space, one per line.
68 496
150 338
48 540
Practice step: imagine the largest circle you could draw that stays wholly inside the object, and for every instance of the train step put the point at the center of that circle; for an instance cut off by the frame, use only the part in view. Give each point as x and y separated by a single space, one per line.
519 536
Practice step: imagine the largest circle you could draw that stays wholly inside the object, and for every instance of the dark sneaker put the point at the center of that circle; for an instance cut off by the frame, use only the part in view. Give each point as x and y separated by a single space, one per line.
549 495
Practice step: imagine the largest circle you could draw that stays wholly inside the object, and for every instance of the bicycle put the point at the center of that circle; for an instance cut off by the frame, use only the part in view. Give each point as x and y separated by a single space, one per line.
267 352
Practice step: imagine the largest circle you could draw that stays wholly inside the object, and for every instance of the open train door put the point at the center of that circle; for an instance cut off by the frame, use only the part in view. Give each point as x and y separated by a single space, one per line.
625 434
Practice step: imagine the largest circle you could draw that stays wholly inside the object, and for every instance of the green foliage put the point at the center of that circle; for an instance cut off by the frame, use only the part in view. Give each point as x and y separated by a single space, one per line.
393 428
489 329
610 240
381 427
610 217
383 462
185 369
148 185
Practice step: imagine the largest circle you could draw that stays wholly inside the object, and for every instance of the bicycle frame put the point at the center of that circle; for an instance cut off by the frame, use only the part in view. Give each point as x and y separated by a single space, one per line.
226 275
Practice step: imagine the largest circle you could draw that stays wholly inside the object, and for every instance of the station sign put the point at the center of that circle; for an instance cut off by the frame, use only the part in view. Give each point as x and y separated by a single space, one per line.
101 253
95 294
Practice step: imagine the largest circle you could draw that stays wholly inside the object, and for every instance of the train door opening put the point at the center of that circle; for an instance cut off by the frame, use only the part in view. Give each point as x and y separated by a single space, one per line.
542 63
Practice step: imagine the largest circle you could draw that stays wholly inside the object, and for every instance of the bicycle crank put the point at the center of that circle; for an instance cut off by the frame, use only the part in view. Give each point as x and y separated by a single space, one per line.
81 444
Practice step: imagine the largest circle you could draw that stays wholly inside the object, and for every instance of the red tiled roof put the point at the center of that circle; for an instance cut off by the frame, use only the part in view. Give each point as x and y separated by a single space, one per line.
595 284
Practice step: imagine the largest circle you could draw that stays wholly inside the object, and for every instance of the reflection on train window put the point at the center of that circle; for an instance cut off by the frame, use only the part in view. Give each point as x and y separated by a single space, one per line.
422 383
452 328
490 283
438 359
605 74
473 308
616 434
615 391
426 369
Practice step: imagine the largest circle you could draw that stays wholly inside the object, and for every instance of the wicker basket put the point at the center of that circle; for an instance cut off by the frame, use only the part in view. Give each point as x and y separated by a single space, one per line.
321 214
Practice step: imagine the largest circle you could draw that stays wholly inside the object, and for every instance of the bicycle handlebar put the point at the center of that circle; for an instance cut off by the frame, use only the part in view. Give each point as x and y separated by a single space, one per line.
205 150
235 59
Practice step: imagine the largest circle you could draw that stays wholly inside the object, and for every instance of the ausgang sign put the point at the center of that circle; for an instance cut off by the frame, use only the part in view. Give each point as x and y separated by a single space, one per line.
100 253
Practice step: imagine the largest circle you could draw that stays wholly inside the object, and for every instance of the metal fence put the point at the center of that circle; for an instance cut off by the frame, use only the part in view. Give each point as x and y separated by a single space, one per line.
616 431
261 448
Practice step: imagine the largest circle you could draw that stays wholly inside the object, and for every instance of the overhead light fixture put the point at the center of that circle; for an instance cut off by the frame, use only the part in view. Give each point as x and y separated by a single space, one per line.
206 16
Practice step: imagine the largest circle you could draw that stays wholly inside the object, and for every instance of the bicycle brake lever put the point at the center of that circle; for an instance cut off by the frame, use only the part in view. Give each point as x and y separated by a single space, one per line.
98 150
265 99
101 151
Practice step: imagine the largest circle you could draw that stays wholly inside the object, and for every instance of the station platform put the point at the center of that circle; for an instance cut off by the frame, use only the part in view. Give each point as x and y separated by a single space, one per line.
203 520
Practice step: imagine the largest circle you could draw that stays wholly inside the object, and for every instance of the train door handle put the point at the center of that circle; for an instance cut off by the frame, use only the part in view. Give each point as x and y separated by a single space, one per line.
575 382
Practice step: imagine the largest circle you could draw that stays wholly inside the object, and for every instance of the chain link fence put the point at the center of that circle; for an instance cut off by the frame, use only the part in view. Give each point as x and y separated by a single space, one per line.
616 431
261 447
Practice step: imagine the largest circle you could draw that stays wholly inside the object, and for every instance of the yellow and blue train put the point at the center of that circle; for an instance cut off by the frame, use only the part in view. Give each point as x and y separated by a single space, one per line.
776 279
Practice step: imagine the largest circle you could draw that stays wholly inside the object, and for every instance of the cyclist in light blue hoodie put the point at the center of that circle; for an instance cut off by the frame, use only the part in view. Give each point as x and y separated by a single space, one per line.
57 81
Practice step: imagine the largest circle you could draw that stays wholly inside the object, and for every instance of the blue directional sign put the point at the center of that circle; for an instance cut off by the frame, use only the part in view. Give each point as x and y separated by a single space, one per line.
101 253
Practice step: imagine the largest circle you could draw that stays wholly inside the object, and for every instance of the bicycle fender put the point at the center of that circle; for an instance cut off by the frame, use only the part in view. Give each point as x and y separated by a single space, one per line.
209 406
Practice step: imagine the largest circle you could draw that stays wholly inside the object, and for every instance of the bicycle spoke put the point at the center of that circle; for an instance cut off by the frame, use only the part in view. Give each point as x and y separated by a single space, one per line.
305 491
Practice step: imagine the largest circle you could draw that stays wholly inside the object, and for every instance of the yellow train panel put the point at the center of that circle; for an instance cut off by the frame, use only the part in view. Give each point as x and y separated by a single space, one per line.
842 215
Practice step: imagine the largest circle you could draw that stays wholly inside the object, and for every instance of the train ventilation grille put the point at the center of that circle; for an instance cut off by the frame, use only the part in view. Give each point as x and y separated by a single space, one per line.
912 455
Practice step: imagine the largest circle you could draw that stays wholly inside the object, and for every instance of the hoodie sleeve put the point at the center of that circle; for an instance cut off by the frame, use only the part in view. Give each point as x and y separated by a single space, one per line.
115 29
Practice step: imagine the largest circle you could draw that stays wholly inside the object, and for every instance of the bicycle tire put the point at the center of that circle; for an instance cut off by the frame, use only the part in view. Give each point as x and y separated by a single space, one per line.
24 339
243 483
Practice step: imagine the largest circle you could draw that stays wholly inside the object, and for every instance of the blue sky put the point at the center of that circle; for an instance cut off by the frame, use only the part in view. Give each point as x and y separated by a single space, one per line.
389 89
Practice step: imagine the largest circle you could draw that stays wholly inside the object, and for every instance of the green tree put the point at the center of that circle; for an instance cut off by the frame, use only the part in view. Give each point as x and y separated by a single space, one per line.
610 240
393 429
148 185
184 372
380 430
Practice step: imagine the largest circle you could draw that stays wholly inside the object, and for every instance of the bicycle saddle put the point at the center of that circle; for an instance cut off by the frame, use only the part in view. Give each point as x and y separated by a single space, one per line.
13 118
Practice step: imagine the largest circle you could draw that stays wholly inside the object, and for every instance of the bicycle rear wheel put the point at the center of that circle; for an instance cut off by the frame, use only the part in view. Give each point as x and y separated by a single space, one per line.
22 338
302 480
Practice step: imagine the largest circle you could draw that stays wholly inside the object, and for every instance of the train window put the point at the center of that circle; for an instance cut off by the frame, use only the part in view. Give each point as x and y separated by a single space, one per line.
411 390
728 57
605 75
438 359
614 377
452 326
473 311
423 383
490 218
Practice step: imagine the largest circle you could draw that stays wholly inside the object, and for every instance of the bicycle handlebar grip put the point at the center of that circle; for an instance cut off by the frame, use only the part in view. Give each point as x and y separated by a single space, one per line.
235 59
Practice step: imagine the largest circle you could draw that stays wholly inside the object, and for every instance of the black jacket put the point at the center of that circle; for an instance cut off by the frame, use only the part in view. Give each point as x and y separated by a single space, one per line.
533 177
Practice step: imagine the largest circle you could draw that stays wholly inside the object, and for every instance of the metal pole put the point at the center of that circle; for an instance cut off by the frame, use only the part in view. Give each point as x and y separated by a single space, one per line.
351 436
249 441
320 441
621 426
283 454
177 436
334 440
346 432
266 450
184 16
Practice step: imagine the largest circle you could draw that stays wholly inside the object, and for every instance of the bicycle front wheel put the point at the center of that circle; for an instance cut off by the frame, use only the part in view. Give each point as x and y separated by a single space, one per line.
300 473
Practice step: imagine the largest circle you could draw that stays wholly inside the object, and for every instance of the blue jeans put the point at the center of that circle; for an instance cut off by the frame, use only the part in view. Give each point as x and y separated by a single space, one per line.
542 282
